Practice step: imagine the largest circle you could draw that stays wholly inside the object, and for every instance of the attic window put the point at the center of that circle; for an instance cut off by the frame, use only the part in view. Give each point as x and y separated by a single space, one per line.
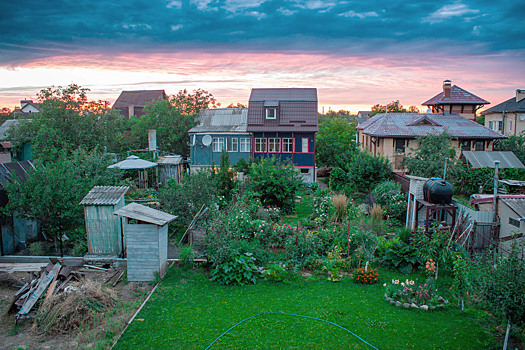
271 113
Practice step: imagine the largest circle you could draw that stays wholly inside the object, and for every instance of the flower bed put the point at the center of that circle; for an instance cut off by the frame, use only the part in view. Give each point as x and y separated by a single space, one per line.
411 295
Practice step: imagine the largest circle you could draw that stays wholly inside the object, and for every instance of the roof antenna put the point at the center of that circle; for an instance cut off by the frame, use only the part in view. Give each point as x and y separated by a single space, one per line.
386 115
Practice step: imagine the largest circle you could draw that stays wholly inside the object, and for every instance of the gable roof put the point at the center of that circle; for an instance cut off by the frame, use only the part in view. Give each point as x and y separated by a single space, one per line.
104 195
138 98
457 95
508 106
221 120
4 128
516 204
485 159
15 170
410 125
284 94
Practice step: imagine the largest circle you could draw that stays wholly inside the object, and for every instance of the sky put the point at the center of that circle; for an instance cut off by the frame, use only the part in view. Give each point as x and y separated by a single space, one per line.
356 53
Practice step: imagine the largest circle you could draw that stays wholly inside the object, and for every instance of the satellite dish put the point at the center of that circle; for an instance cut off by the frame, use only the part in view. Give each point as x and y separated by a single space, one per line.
206 140
522 117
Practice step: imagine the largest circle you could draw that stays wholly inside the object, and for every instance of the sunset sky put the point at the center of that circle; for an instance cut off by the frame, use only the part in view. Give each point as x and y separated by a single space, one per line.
356 53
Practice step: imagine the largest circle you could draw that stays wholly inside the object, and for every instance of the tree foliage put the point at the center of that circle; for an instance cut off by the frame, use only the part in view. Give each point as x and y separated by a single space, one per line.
393 107
515 144
366 171
335 142
224 177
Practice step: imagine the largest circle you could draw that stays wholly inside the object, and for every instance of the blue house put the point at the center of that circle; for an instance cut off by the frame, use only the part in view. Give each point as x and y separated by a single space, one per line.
219 129
283 122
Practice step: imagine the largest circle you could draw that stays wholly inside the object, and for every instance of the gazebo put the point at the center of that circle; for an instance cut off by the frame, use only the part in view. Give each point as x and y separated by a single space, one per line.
134 162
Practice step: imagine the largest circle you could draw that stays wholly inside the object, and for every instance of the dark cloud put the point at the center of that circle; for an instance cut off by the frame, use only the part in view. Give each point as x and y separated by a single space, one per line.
36 29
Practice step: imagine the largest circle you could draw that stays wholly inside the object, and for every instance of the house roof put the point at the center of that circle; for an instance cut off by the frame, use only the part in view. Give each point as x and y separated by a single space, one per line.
516 204
169 160
133 162
221 120
508 106
457 96
284 94
17 170
142 213
6 125
485 159
104 195
412 125
138 98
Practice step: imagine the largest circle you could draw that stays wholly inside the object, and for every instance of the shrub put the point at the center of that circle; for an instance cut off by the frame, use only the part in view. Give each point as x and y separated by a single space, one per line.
397 254
333 263
37 248
321 208
239 270
340 202
365 275
367 171
339 181
280 273
388 195
187 255
407 292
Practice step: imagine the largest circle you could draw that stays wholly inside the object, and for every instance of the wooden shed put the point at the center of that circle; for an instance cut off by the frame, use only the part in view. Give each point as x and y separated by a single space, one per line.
147 241
170 167
105 232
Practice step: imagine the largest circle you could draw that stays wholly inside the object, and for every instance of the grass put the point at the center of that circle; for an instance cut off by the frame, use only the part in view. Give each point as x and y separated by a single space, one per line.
302 209
190 312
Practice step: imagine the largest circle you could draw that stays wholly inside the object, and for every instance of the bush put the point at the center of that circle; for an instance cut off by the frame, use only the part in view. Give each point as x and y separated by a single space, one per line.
388 194
37 248
367 171
410 292
280 273
239 270
365 275
397 254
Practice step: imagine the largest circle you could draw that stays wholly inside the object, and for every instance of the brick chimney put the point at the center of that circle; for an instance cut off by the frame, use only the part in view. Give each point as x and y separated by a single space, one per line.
447 85
520 95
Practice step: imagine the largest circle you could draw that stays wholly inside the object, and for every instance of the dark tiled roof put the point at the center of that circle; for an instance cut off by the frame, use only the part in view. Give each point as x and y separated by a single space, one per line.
104 195
416 124
457 95
284 94
138 98
508 106
221 120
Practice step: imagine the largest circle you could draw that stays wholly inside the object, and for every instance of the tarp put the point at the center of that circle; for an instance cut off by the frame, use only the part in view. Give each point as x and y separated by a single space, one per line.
133 162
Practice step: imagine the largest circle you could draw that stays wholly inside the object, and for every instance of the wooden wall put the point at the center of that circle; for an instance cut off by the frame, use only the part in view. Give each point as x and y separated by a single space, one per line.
147 251
103 229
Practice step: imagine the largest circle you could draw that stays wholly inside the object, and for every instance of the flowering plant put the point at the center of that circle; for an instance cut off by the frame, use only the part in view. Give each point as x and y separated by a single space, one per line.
421 295
365 275
273 213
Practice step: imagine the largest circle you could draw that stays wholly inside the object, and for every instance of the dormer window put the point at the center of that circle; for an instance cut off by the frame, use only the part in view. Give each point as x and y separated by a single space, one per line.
271 113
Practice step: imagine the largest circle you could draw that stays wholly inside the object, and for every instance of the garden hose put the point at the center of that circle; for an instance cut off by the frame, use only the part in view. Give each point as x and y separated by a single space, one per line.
287 314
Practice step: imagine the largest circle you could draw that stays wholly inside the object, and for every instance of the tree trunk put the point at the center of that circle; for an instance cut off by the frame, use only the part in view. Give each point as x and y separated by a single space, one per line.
506 336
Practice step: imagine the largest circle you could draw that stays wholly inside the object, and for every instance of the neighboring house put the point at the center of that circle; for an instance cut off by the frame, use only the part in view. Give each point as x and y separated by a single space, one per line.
27 107
25 153
219 129
132 103
283 122
511 211
171 167
507 117
363 116
454 99
393 135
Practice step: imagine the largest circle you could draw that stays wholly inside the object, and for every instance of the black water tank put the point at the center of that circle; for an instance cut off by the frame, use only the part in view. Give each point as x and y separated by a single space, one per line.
437 191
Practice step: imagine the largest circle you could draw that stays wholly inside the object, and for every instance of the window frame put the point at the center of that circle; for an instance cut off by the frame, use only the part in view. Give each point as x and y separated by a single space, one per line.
260 141
267 114
234 143
217 142
244 144
276 143
396 144
289 142
303 144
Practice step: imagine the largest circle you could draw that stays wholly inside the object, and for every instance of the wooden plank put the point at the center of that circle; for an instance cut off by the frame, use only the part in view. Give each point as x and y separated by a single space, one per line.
52 287
42 286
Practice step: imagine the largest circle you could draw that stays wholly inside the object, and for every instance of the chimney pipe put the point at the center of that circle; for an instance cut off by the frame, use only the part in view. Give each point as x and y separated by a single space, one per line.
520 95
447 85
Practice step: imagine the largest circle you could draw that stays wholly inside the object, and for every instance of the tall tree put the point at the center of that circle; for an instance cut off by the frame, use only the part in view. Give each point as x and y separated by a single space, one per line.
393 107
335 142
515 144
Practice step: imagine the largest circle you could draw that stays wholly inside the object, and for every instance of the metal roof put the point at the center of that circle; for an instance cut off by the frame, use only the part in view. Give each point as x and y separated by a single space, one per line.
221 120
15 170
8 124
516 204
133 162
416 124
457 95
104 195
143 213
284 94
485 159
169 160
138 98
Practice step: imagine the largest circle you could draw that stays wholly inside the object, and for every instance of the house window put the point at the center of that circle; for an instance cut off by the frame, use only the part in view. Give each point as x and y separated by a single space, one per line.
514 222
232 144
510 125
465 145
305 171
271 113
287 145
400 145
304 145
496 125
274 145
260 145
480 146
245 144
218 144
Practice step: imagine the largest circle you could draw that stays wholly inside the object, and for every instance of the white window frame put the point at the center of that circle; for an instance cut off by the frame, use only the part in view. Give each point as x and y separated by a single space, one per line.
274 145
496 125
218 144
271 113
260 145
510 125
245 144
287 141
303 144
232 144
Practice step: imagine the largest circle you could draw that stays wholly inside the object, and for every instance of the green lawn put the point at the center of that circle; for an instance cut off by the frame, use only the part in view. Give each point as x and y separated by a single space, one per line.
189 312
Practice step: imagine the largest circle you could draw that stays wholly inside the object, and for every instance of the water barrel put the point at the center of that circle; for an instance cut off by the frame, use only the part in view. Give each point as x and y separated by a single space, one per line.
437 191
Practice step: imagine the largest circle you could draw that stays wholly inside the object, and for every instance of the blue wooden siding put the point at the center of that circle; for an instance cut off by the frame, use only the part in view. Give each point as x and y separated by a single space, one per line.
201 155
299 158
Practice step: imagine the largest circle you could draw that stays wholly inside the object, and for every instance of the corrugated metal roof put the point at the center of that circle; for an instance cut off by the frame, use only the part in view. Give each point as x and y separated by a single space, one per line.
104 195
133 162
485 159
457 95
15 170
405 125
138 98
284 94
221 120
169 160
516 204
146 214
8 124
